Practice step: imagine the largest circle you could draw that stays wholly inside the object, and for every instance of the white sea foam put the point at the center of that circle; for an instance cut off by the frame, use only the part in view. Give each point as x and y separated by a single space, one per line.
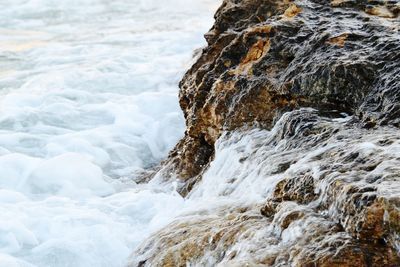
88 96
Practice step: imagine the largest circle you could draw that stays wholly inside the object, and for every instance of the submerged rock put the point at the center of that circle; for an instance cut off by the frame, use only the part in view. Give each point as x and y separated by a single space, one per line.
292 114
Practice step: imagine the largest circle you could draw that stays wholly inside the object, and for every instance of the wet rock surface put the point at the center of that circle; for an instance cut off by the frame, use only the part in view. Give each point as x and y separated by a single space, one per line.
334 203
268 57
292 116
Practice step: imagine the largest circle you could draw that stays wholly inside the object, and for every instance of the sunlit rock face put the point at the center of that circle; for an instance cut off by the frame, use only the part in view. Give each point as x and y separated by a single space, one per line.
292 147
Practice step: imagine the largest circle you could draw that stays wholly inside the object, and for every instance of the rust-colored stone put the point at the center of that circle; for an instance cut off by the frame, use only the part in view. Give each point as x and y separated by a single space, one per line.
338 40
292 11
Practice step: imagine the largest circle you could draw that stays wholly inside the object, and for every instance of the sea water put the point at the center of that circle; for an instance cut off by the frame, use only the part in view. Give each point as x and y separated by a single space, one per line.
89 99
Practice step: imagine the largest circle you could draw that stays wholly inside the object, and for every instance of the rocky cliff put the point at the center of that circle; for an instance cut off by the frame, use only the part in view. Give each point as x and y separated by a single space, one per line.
309 93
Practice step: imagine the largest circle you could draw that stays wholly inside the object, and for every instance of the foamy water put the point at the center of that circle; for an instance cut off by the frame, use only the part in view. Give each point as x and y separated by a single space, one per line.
88 98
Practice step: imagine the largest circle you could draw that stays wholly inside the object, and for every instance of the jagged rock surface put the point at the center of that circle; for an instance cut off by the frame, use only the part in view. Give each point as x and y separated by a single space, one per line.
323 79
266 57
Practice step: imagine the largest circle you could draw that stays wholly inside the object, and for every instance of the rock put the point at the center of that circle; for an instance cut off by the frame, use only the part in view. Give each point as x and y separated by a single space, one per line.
248 240
319 81
299 189
338 207
266 57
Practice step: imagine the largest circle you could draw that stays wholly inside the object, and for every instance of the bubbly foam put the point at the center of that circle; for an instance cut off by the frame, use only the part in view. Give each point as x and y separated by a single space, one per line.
88 98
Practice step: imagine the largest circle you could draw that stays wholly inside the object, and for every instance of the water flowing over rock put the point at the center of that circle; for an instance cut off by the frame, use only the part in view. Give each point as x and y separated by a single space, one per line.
292 146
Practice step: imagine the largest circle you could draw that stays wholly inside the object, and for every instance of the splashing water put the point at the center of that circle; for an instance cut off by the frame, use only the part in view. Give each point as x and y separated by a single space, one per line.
88 93
304 169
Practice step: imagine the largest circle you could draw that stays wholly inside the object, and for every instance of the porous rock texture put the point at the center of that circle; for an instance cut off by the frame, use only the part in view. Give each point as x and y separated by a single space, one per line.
318 76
